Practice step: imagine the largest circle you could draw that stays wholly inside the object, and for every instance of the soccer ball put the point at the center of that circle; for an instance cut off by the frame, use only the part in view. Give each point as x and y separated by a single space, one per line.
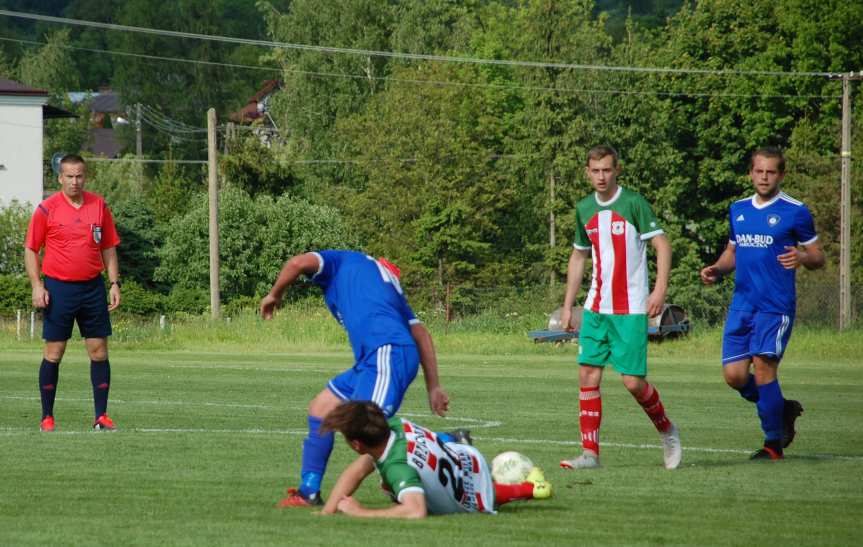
510 468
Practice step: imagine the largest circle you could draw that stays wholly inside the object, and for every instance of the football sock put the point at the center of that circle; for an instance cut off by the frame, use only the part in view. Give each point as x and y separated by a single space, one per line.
652 406
590 417
505 493
48 374
770 406
316 453
100 376
750 390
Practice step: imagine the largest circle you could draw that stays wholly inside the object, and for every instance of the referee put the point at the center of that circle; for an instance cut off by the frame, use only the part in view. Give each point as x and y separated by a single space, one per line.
78 233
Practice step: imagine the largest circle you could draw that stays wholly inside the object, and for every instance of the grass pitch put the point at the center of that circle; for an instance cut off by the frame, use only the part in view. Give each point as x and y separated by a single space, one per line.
209 441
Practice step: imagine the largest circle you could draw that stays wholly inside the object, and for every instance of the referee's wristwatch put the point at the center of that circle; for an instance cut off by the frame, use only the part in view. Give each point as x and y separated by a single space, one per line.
119 285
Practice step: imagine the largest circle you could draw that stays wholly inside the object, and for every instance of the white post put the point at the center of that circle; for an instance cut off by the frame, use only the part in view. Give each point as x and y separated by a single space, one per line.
162 322
18 326
32 324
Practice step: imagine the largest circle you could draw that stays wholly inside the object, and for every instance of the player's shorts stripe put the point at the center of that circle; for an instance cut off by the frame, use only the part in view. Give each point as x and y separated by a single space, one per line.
780 333
338 393
382 382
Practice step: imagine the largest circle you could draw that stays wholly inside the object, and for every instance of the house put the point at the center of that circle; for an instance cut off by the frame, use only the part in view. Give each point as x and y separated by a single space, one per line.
22 111
106 113
256 115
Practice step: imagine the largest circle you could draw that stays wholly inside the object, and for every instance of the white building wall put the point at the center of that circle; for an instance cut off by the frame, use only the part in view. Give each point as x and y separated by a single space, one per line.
21 149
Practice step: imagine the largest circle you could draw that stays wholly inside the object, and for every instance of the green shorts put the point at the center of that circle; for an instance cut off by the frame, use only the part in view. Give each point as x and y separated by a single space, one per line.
617 339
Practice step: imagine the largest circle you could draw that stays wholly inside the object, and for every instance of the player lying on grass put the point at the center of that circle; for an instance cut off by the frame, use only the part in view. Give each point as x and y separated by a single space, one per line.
423 473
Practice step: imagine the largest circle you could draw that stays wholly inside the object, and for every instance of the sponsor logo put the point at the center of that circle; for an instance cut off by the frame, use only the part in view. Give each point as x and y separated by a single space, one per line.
617 227
592 231
773 220
754 240
739 218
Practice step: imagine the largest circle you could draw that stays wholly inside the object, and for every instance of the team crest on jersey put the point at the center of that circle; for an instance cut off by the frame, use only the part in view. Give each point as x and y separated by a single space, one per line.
617 227
97 234
773 220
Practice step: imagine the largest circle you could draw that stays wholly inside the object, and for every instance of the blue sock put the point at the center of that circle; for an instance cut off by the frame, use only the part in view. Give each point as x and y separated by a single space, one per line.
750 390
100 377
446 437
770 406
316 452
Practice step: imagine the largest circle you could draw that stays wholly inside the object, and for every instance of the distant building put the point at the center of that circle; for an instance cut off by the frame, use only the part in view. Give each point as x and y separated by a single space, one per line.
22 110
106 113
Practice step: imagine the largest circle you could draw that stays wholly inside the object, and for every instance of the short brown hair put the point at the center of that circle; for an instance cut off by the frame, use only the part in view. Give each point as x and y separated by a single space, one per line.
71 159
599 152
769 152
361 421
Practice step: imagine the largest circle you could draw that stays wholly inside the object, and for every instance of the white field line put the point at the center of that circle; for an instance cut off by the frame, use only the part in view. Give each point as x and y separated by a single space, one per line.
11 431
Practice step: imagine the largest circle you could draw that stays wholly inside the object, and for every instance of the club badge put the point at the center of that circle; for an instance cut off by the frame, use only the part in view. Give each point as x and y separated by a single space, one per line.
773 220
617 227
97 234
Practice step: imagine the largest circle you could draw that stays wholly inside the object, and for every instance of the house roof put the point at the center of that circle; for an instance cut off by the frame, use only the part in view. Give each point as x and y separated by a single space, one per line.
250 112
11 87
106 102
103 142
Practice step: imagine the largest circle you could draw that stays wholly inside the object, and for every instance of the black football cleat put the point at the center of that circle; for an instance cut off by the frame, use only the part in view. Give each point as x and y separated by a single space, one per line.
790 412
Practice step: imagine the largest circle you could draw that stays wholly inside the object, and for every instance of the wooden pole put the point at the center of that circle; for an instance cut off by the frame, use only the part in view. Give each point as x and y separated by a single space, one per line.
845 317
552 236
213 183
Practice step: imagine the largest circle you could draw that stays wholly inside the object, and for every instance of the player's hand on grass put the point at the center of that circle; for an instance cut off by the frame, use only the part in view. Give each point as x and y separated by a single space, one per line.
268 306
710 275
791 259
349 506
40 297
438 401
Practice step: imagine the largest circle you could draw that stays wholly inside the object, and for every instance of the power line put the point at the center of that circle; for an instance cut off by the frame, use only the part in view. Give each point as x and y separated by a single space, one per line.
441 83
145 56
400 55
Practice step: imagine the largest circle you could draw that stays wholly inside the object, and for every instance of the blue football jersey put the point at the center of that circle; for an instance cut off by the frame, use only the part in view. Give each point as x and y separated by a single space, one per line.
760 233
366 299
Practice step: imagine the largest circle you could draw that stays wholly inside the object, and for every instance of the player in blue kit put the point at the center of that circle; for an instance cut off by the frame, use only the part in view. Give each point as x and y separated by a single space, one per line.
388 341
771 235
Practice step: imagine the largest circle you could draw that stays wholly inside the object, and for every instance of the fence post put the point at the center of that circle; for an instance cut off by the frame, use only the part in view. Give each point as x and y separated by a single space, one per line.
162 323
447 307
18 326
32 324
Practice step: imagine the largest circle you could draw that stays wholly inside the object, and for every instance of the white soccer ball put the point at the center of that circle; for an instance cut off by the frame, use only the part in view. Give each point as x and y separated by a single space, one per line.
510 468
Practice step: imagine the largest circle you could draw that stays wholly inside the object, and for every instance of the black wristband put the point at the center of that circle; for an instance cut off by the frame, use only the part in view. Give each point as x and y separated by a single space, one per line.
116 283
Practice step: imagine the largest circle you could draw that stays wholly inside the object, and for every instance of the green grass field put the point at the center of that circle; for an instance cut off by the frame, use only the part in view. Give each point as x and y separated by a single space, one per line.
209 441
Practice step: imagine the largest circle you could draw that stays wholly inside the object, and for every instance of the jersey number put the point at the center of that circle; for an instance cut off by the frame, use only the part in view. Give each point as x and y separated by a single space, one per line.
446 474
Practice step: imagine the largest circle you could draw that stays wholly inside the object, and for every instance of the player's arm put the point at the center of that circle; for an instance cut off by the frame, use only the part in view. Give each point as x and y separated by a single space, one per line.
412 506
304 264
724 266
663 269
810 256
438 399
112 264
32 265
348 482
574 275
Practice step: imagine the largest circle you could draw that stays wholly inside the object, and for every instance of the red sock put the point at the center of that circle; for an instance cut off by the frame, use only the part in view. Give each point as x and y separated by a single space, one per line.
652 406
590 416
505 493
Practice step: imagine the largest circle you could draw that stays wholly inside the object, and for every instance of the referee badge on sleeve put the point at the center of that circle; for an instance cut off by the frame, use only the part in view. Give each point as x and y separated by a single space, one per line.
97 234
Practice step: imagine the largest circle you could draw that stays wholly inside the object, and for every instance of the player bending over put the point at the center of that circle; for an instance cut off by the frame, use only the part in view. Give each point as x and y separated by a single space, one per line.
423 473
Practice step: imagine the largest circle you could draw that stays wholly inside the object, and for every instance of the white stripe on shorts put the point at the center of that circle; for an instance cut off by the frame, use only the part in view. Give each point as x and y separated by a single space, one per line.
780 333
382 382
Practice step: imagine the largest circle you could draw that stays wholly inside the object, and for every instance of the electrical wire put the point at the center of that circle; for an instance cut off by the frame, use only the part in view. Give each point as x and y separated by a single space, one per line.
405 56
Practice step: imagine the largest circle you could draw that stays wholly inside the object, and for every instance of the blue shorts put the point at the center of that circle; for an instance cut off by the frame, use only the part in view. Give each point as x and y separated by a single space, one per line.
81 301
382 377
750 333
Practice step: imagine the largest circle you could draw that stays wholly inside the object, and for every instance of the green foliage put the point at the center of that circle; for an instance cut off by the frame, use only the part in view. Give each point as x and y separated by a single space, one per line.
14 293
14 219
136 300
256 235
255 167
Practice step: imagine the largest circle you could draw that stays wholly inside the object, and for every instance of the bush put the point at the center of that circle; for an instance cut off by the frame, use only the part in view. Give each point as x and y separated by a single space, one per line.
191 300
14 219
137 300
14 294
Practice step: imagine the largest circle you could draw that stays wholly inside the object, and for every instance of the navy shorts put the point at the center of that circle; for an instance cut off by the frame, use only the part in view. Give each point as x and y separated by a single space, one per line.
750 333
382 377
81 301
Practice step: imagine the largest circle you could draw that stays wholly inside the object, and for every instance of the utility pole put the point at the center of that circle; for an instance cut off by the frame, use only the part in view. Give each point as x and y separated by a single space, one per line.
139 145
213 183
845 316
552 236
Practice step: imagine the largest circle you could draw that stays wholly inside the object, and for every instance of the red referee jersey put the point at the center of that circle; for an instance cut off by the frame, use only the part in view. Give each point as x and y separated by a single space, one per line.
73 238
